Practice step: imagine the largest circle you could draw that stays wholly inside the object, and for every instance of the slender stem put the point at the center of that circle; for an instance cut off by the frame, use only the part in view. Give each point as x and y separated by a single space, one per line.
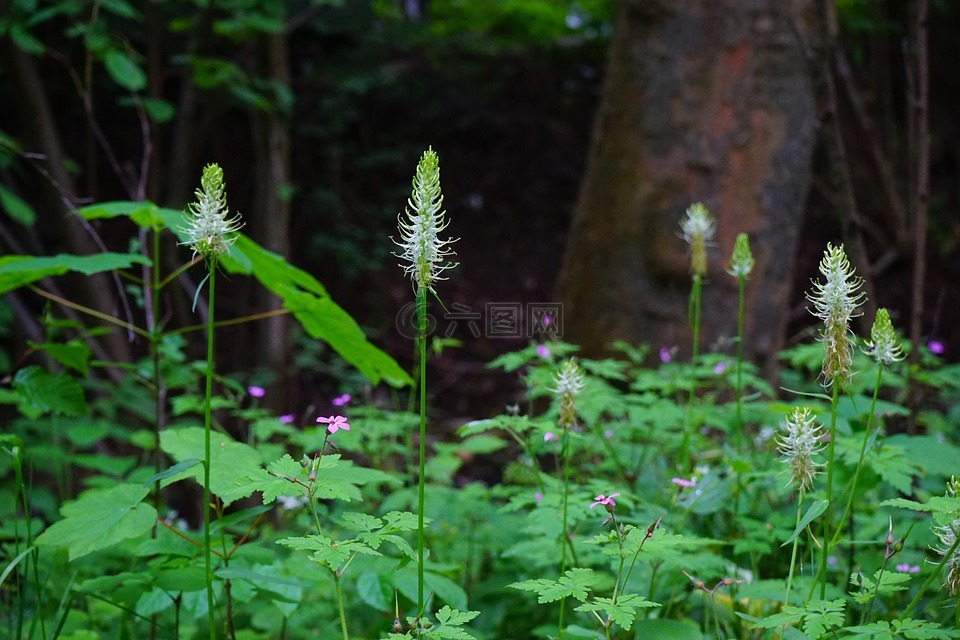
694 313
863 451
208 392
565 454
343 618
422 343
738 436
793 553
825 549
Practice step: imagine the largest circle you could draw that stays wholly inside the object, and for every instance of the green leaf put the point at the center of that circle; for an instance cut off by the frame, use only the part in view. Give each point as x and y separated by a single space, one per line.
889 582
815 511
231 462
575 583
42 392
450 622
73 354
233 573
16 207
176 469
159 110
327 552
17 271
667 630
124 71
99 519
622 612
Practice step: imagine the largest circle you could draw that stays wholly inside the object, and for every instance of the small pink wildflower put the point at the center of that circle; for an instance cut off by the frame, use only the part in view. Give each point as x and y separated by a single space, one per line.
543 352
718 369
665 355
286 418
256 392
538 496
548 436
335 423
339 401
935 347
606 501
687 484
608 433
906 567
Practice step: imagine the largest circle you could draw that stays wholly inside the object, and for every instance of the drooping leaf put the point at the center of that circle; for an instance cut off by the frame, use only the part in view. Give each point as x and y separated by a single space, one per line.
73 354
124 71
16 207
18 271
814 512
100 518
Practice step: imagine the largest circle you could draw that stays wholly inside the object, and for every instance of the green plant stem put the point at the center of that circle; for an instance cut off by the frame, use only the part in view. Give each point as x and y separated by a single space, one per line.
565 454
421 480
863 452
825 538
793 552
694 314
738 435
208 393
933 576
343 618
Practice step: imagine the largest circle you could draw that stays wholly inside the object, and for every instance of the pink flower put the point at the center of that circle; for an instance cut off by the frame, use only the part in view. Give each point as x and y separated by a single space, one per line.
936 347
335 423
684 483
548 436
719 368
538 496
907 568
256 392
664 355
286 418
543 352
608 433
339 401
606 501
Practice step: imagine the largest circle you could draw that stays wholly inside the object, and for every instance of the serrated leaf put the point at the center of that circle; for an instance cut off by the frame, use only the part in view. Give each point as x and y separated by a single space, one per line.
231 462
622 612
99 519
44 392
451 621
815 511
574 583
73 354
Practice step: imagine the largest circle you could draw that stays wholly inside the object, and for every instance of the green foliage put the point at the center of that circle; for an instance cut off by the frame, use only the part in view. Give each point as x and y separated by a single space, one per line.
574 583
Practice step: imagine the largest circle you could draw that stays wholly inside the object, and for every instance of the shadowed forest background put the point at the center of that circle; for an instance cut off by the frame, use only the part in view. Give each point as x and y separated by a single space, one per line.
317 112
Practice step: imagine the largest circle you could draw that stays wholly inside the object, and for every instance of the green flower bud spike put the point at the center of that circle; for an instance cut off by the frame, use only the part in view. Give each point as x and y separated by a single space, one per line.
741 262
835 302
698 229
210 230
798 445
883 346
423 250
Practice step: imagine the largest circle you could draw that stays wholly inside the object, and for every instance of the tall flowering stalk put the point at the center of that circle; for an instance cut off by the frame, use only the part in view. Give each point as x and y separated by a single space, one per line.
426 256
798 444
835 301
741 265
698 229
210 231
885 349
569 384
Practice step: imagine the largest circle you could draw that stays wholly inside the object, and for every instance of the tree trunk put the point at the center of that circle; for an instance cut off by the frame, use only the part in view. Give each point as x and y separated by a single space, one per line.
704 100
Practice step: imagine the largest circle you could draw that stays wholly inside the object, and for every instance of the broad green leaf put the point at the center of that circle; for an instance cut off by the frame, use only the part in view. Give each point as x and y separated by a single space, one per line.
99 519
16 207
575 583
124 71
42 392
17 271
176 469
231 462
814 512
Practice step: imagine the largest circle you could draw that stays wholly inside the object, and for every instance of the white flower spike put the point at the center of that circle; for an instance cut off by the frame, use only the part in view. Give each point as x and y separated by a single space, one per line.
210 229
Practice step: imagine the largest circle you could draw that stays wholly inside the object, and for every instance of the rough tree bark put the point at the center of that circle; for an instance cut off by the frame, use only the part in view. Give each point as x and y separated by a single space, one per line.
705 100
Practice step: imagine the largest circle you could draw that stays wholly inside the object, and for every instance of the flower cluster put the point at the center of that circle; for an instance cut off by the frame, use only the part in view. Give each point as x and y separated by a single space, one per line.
210 230
798 446
569 384
741 262
420 239
947 534
883 346
698 229
834 301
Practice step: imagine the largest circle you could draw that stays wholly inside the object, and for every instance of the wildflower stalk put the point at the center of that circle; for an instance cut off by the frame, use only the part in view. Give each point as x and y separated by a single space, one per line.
947 555
210 232
741 264
427 257
698 228
835 300
793 551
